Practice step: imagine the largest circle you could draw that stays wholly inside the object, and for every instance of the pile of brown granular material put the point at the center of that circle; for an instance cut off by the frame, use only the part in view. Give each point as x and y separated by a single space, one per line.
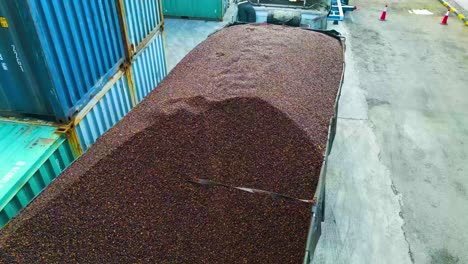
249 107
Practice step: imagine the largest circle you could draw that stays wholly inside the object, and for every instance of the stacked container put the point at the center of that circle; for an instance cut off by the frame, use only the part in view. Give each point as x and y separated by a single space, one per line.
56 55
79 65
32 156
199 9
144 67
146 45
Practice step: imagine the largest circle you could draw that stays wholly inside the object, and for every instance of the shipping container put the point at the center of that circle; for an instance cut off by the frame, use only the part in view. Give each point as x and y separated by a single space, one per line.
107 108
70 69
142 17
120 95
201 9
149 67
31 157
55 55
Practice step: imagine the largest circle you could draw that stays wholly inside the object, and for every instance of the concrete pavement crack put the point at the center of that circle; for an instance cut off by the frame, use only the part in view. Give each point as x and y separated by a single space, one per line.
410 253
400 203
397 193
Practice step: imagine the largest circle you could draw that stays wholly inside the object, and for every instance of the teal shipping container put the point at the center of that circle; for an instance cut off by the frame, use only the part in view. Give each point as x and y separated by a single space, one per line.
32 155
201 9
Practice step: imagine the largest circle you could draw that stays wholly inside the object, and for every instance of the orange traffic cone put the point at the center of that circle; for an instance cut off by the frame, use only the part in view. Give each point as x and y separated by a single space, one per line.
444 20
384 13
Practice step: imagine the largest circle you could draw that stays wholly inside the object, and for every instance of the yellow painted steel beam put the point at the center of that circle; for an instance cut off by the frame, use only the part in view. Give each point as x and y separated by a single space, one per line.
164 50
149 37
161 13
97 97
460 16
131 86
70 129
124 31
74 142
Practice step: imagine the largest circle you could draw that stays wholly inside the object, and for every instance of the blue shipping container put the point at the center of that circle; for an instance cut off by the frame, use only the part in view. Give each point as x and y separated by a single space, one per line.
114 101
106 109
55 55
142 17
149 67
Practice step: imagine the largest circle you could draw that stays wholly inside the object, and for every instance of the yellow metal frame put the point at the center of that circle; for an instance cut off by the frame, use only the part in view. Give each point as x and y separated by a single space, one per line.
455 11
75 146
131 85
164 50
124 30
70 129
97 97
144 42
161 13
130 50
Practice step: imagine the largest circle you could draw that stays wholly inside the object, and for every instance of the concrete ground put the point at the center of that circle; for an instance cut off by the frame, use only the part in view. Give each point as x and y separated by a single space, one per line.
463 4
397 185
182 35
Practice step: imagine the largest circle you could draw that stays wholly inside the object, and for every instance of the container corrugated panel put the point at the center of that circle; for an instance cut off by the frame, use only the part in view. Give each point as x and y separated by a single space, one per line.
203 9
142 17
149 67
103 111
31 157
55 55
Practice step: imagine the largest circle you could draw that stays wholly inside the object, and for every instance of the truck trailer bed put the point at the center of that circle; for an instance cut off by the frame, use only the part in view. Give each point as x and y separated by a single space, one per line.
249 107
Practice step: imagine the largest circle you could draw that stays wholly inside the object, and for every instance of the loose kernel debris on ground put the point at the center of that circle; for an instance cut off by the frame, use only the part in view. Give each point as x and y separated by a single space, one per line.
249 107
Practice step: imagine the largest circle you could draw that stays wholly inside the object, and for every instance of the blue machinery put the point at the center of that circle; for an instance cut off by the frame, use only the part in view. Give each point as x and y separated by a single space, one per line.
338 9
